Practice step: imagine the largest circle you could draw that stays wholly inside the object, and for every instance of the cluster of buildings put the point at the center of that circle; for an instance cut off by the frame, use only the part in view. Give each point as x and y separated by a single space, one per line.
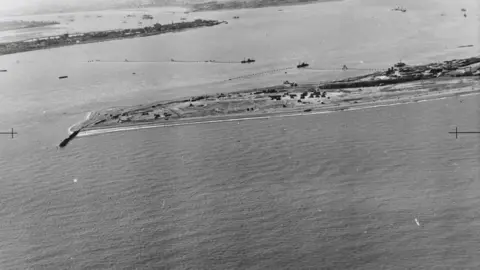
303 95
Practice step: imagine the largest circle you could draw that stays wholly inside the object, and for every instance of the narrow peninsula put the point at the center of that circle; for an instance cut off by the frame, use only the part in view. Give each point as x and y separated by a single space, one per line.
90 37
400 83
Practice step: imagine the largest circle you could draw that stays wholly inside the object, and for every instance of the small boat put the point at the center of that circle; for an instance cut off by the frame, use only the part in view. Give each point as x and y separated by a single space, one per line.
3 70
402 9
236 17
248 61
63 77
302 65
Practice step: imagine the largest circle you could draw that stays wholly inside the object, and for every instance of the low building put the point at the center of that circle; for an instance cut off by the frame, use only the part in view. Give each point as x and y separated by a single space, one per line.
276 97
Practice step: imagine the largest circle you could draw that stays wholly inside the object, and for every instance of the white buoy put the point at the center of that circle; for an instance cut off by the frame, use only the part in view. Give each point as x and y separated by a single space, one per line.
75 180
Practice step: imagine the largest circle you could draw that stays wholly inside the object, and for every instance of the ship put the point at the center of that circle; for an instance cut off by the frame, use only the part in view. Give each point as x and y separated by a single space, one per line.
402 9
248 61
302 65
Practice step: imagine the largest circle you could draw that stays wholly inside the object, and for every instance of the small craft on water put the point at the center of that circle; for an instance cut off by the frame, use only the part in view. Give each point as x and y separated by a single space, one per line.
402 9
248 61
302 65
63 77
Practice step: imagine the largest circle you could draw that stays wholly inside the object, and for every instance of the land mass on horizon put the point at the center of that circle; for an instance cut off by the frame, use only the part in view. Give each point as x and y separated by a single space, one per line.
234 4
100 36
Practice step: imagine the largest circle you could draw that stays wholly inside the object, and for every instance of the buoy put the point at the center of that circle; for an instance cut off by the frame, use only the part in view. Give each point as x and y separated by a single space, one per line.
75 180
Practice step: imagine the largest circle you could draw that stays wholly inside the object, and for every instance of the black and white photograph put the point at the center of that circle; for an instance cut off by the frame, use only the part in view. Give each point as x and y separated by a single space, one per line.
239 134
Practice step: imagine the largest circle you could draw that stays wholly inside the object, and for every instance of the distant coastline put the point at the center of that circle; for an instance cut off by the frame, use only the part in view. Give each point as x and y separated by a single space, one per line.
91 37
397 85
229 5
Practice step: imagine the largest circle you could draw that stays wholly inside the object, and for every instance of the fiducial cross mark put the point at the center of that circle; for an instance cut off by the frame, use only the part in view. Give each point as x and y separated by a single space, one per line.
456 132
9 133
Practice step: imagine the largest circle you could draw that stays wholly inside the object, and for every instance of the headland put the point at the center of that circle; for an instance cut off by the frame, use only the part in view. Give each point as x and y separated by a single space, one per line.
400 83
91 37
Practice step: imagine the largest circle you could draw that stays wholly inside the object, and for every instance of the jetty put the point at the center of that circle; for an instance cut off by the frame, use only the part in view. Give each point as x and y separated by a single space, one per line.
69 138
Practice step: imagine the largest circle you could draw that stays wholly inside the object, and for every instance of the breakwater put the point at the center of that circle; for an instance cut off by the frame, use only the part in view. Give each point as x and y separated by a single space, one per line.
90 37
69 138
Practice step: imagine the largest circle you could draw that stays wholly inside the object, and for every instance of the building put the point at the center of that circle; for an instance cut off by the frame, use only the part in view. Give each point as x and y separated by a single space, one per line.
276 97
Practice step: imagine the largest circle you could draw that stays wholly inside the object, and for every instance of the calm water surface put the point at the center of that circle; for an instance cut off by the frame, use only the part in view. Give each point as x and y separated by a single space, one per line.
333 191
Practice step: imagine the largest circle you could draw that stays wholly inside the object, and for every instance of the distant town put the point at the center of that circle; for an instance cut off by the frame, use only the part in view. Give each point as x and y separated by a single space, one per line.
90 37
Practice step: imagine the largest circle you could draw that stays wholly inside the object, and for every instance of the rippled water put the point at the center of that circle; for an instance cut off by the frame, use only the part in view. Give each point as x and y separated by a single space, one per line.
336 191
340 190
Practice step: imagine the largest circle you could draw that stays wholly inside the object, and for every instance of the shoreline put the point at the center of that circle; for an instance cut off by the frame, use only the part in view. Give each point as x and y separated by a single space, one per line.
239 118
64 40
70 128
